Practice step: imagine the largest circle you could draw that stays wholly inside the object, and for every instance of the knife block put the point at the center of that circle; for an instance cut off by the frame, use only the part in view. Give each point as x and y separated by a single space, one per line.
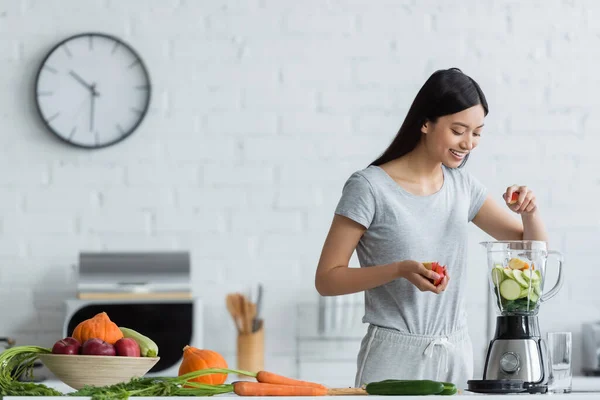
251 350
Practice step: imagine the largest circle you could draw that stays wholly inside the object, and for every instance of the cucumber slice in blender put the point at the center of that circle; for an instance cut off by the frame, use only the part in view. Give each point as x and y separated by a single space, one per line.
524 293
534 275
527 274
497 275
508 272
518 276
510 289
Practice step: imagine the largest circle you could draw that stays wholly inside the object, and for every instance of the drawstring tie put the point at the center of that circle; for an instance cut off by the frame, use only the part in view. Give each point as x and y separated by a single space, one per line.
446 345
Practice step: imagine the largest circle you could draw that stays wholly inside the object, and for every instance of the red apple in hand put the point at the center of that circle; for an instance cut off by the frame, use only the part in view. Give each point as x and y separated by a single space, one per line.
98 347
127 347
438 269
67 345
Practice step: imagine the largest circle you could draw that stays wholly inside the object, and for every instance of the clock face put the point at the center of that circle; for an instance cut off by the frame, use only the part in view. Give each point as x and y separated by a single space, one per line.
92 90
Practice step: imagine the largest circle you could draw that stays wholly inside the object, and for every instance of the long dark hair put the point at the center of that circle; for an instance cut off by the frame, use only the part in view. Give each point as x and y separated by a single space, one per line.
447 91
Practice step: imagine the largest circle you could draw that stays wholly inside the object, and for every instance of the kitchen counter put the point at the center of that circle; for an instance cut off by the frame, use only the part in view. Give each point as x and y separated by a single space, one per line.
584 388
565 396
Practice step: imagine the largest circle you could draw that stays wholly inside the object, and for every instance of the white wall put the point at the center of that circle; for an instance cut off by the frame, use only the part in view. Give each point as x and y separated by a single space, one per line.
261 110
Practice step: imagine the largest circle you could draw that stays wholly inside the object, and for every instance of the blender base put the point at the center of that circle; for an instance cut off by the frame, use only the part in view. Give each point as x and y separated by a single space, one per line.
504 386
516 358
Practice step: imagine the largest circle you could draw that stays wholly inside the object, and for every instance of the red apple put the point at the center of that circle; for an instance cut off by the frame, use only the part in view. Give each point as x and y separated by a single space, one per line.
127 347
67 345
438 269
98 347
72 340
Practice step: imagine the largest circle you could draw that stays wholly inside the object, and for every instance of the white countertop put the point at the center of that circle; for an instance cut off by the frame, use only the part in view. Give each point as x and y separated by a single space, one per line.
584 388
565 396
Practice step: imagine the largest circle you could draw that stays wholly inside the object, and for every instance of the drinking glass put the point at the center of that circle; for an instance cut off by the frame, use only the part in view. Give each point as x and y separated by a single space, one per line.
560 349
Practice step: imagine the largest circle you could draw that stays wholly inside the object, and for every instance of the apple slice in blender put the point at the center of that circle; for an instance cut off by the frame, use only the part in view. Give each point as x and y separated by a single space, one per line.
510 289
516 263
508 272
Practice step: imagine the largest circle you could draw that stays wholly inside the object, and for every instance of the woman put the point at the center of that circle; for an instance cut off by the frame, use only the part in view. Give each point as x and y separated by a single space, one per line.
412 206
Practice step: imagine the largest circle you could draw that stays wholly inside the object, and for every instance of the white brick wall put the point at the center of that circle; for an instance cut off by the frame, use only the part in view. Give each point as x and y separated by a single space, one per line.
261 110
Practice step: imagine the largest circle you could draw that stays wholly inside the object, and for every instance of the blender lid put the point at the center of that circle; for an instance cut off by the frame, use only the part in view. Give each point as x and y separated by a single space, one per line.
496 386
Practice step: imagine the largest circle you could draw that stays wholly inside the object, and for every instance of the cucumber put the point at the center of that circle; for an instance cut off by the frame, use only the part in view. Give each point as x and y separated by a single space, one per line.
497 275
530 275
510 289
147 346
508 272
449 389
518 275
392 387
524 293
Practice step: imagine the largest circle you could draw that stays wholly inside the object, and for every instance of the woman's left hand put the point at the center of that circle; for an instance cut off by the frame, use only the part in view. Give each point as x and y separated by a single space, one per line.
520 199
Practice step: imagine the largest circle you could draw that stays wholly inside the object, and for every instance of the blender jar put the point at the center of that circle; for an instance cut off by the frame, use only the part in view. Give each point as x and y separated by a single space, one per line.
517 274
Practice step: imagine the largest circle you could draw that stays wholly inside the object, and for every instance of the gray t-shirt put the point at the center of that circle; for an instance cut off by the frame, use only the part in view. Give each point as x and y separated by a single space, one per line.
403 226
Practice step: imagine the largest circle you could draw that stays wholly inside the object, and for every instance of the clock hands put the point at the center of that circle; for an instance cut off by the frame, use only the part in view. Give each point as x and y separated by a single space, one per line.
94 94
80 80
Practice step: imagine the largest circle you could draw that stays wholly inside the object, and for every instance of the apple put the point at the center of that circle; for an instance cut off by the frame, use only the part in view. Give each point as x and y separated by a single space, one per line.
127 347
98 347
72 340
67 345
438 269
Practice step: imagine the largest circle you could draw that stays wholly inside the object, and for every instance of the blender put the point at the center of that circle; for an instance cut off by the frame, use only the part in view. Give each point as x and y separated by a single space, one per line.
517 356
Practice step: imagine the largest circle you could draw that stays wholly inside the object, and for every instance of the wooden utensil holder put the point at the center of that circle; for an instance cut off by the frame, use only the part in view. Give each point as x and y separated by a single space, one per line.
251 350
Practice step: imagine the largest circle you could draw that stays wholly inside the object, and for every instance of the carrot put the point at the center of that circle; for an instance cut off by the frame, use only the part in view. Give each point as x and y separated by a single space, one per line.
270 377
243 388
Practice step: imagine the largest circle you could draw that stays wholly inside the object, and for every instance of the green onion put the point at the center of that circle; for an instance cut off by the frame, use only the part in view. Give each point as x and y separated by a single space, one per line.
16 362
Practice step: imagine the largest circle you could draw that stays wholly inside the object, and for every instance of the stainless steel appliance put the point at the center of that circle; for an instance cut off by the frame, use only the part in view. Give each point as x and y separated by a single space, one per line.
148 292
517 357
590 346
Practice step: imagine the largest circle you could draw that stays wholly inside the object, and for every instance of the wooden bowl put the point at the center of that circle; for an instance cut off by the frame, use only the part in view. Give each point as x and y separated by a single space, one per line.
79 370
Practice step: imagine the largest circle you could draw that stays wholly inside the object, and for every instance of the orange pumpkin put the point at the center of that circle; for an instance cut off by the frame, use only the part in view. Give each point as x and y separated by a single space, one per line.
195 359
98 327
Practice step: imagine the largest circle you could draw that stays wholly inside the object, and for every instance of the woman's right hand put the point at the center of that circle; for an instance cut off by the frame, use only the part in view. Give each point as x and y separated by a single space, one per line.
418 275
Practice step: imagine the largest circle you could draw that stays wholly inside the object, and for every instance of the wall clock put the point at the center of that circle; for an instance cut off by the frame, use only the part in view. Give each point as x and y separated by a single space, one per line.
92 90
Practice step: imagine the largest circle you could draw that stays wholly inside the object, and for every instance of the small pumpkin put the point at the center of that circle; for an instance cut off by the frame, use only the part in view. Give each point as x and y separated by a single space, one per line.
195 359
98 327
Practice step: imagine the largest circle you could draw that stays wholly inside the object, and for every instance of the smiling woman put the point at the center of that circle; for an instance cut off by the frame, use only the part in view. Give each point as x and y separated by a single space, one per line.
409 209
446 93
